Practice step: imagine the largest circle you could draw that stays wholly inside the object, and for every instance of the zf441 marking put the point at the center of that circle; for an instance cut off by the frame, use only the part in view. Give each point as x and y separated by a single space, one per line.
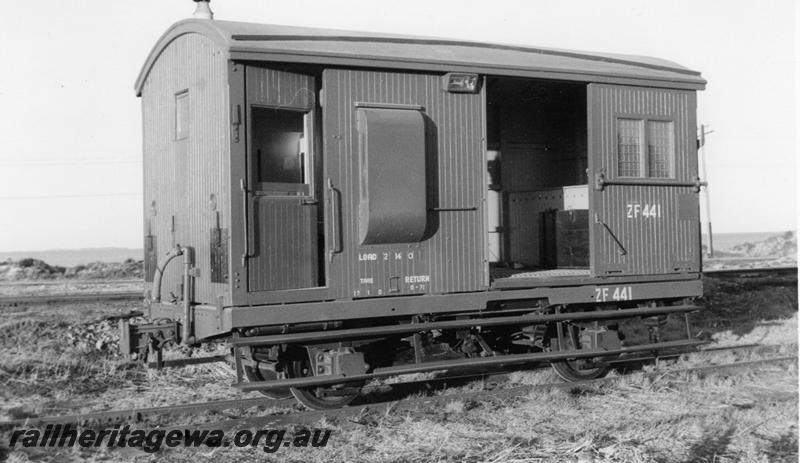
613 293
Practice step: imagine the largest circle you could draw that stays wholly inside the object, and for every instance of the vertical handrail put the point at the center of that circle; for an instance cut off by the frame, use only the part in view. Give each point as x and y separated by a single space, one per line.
188 291
159 273
336 220
246 221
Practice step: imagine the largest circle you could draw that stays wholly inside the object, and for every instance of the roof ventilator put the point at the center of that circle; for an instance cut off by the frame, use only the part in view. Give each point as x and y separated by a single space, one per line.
203 10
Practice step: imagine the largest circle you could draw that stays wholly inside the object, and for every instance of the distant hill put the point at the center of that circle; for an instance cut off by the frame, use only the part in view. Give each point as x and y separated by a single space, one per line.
73 257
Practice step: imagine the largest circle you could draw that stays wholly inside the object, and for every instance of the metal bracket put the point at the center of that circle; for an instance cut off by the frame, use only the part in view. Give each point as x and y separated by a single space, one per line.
147 339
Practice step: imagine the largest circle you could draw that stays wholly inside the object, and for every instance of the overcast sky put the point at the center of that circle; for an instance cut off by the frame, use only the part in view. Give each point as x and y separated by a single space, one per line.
70 143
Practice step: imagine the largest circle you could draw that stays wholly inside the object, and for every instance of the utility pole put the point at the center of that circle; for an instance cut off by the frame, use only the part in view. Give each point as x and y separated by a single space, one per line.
702 144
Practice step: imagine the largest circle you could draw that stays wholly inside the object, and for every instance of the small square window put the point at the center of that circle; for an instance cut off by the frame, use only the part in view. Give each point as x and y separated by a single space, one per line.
182 115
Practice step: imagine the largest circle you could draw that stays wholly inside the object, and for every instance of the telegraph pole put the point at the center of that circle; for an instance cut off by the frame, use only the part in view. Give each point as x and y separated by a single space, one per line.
702 143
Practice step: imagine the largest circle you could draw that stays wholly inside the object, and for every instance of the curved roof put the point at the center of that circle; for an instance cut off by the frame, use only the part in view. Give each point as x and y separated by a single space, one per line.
249 41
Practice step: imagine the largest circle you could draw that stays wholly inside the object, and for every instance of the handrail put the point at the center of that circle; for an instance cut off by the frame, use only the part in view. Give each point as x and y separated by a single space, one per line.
159 273
622 250
246 222
188 289
335 198
600 182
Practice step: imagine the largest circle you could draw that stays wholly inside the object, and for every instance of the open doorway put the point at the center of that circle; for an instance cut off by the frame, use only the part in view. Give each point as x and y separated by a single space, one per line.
538 199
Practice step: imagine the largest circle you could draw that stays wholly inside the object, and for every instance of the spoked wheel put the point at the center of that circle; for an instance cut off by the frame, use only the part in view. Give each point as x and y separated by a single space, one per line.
265 371
321 398
578 369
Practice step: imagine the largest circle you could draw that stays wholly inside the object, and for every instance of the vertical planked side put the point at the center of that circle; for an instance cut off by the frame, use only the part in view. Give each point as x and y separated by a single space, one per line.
454 255
187 179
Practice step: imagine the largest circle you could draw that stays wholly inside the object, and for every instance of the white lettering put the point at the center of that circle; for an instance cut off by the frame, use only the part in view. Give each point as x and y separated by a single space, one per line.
417 279
616 293
648 211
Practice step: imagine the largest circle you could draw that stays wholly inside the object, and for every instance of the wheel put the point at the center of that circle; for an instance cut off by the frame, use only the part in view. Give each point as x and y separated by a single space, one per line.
320 398
265 371
578 369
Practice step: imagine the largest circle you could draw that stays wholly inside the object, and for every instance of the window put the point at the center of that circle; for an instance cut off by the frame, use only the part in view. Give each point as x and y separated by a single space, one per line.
645 148
629 152
182 115
280 147
660 149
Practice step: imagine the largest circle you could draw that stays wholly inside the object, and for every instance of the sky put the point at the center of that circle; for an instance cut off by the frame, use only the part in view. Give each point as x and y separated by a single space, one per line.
70 142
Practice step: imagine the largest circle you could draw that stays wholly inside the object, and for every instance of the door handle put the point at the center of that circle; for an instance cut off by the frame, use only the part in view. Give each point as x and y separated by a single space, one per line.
336 220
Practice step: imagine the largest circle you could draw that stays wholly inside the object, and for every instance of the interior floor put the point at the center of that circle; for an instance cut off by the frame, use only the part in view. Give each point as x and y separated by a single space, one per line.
497 273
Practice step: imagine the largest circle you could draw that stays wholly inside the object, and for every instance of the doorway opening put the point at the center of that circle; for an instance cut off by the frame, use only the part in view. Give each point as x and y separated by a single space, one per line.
538 200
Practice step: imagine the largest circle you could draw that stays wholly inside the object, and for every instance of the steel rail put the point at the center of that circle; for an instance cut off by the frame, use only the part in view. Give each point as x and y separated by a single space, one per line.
414 405
733 272
462 364
85 297
69 281
142 414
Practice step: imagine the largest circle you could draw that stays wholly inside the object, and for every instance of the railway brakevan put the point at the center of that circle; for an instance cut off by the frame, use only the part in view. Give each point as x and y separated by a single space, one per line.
342 206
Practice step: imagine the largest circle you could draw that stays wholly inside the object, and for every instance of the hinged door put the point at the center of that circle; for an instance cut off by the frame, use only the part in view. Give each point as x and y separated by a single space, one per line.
278 190
643 181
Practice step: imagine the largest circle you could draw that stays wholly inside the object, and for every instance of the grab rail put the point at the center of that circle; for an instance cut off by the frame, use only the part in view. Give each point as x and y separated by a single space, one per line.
600 182
245 202
336 220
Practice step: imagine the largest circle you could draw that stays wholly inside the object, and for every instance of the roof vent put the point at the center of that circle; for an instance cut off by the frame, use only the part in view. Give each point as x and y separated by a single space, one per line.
203 11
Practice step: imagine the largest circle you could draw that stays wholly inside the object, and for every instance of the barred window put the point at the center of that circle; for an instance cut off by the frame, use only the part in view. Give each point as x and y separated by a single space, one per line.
645 148
660 148
629 142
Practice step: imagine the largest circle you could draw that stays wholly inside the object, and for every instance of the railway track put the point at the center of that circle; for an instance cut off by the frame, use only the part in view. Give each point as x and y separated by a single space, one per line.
134 295
71 298
414 405
396 398
751 272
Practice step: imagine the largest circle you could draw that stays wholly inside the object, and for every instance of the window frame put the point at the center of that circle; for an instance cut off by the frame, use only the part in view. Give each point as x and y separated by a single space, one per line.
644 149
299 189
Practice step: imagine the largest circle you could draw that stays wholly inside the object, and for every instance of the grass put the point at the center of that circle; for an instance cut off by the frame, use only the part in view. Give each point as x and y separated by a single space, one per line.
59 359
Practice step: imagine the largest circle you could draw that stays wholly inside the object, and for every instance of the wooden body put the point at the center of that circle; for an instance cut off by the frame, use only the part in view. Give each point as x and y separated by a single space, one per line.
320 227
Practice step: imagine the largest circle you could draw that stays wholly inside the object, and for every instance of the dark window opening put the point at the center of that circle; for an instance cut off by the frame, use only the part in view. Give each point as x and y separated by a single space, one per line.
280 146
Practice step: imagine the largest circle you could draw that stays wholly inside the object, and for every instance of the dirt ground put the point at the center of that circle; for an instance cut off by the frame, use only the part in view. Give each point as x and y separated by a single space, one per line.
58 359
